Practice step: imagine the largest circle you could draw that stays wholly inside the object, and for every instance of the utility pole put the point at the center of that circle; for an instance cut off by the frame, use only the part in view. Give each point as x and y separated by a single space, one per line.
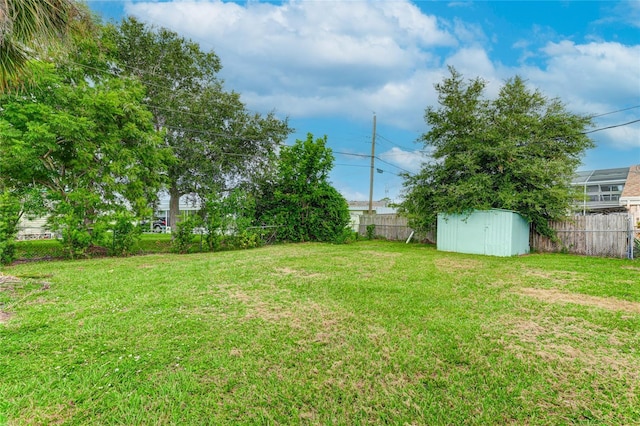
373 155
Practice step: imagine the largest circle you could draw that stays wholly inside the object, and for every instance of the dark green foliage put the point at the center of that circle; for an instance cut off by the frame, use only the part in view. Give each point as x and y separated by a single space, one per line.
9 216
183 233
517 152
124 234
301 201
76 227
88 148
84 143
371 231
227 221
348 236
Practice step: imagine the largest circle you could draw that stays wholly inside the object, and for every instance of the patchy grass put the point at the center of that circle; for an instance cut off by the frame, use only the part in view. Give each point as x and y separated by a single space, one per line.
367 333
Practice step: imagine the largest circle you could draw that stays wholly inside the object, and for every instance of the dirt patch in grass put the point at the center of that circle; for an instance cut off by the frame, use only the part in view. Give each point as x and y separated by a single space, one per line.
380 254
318 323
574 349
4 317
557 277
297 273
455 265
557 296
296 314
7 279
578 341
146 266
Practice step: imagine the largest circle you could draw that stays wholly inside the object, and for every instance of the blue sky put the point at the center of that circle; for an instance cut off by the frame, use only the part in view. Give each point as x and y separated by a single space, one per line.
330 65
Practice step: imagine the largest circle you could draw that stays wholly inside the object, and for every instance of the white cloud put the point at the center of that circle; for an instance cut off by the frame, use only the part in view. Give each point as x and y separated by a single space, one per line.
473 62
350 194
306 58
410 161
594 78
347 59
305 45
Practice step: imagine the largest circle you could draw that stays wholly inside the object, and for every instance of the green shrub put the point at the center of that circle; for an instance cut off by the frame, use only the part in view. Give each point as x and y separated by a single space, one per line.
39 249
183 234
9 216
76 237
371 231
347 236
125 235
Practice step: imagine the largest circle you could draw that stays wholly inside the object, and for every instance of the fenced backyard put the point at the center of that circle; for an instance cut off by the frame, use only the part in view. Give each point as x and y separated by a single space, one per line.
611 235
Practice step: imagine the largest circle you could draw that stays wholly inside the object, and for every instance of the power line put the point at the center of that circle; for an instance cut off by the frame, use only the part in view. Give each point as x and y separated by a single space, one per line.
363 166
616 111
352 154
393 165
611 127
395 144
350 165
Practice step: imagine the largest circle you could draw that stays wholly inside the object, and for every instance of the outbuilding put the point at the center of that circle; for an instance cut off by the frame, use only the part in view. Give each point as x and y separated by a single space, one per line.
490 232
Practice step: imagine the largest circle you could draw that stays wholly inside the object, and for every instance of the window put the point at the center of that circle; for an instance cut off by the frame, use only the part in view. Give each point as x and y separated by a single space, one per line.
611 188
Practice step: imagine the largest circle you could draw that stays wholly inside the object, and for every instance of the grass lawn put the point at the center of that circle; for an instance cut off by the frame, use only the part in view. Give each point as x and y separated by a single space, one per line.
368 333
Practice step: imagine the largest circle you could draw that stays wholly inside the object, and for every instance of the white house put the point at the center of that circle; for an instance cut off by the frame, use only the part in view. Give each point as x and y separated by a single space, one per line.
610 190
359 208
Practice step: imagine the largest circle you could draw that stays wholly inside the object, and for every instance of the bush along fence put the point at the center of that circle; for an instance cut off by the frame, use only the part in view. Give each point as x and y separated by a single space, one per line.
391 227
612 235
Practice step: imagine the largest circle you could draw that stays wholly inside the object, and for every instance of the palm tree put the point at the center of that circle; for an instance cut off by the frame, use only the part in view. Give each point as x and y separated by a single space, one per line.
28 28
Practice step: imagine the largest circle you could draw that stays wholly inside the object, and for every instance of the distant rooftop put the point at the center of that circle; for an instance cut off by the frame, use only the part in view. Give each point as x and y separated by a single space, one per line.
608 189
632 185
598 176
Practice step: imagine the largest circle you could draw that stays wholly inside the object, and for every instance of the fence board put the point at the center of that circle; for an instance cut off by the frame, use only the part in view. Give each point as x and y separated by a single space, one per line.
392 227
591 235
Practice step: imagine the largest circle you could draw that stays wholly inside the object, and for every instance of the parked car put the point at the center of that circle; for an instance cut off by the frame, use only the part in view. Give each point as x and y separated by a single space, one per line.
159 225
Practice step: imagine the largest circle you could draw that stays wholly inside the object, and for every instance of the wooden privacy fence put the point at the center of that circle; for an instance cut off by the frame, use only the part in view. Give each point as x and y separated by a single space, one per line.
601 235
592 235
391 227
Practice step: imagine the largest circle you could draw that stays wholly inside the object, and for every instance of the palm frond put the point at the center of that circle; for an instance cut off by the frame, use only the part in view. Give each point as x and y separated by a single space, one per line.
29 28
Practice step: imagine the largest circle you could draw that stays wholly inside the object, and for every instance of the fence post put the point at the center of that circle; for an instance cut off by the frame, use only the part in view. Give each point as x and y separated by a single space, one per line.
631 237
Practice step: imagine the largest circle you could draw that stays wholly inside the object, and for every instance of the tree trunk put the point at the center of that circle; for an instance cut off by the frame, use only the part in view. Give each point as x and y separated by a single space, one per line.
174 207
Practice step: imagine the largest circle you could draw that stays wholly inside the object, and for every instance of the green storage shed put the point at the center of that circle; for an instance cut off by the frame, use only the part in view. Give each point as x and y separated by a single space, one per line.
490 232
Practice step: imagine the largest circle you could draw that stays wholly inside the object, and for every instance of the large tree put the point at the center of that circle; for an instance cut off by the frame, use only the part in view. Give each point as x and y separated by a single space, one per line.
517 152
216 142
300 199
87 145
28 27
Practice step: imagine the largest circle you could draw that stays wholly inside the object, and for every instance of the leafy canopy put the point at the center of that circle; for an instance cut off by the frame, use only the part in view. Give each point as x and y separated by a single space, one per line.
216 143
300 199
88 145
517 152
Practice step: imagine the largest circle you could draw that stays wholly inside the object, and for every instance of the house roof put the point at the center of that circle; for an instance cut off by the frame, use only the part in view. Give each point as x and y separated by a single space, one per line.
609 189
601 176
632 185
365 204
